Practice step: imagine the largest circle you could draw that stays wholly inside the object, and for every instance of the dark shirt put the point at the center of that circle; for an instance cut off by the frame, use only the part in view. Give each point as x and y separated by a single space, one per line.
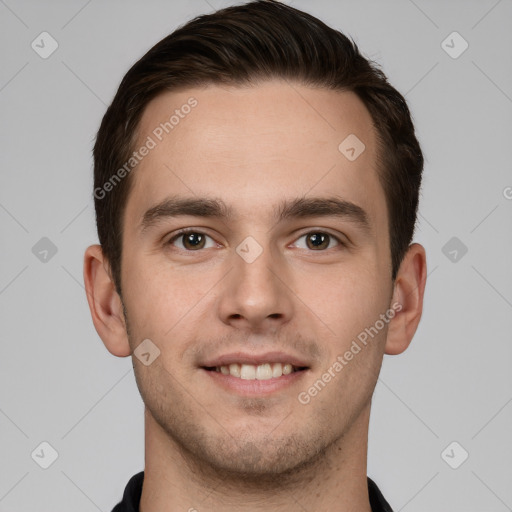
133 492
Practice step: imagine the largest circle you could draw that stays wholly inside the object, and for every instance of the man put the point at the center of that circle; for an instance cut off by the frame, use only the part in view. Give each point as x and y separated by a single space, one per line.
256 190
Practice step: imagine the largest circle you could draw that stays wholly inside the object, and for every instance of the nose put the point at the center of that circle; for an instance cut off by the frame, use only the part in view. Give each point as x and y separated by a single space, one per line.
255 294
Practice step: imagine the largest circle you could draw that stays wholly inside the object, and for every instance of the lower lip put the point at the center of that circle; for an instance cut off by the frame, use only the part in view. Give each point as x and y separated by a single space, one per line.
254 387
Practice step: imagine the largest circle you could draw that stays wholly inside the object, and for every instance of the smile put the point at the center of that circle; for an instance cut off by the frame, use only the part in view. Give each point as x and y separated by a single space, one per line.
264 371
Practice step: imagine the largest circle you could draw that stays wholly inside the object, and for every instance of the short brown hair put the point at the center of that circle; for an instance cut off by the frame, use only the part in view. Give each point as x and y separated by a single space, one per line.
242 45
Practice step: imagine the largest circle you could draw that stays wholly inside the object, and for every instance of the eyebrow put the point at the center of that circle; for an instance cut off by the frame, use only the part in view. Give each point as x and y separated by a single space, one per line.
288 209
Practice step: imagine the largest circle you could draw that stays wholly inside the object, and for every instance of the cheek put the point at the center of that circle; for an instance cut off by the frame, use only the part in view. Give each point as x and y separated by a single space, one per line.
350 306
347 299
161 300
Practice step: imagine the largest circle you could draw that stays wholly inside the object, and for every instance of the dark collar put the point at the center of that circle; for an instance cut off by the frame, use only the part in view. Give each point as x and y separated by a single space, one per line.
133 492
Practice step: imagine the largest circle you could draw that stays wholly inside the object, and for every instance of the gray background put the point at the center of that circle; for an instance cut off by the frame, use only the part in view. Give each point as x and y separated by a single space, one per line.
60 385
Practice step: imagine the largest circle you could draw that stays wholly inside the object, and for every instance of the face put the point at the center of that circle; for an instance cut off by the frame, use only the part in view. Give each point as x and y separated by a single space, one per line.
285 263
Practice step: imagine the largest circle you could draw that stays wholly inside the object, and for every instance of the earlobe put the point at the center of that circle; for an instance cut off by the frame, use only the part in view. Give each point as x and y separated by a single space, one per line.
408 293
104 303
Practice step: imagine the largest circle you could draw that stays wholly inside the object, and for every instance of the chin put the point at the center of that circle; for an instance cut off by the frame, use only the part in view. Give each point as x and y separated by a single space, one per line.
261 461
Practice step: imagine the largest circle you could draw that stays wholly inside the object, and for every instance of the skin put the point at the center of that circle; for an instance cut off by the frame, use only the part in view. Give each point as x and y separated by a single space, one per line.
208 448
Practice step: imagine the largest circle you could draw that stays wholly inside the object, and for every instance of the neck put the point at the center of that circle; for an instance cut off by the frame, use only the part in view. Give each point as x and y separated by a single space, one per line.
175 480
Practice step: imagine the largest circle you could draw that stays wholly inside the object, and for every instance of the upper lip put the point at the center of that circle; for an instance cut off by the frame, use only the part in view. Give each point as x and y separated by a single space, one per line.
254 359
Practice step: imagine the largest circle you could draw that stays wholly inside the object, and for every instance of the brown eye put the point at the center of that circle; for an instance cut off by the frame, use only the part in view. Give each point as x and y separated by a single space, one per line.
190 240
193 240
318 240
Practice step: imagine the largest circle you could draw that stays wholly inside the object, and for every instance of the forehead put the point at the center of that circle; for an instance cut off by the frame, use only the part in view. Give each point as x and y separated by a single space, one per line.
254 145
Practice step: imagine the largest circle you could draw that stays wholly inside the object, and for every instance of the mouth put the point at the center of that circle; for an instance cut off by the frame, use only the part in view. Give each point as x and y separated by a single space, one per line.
265 371
253 375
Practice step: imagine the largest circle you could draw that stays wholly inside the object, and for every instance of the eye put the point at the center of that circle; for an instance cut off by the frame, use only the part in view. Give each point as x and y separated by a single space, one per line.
190 240
193 240
319 240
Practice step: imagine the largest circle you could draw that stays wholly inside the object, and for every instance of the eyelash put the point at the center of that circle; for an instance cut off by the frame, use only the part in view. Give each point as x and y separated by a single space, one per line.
186 231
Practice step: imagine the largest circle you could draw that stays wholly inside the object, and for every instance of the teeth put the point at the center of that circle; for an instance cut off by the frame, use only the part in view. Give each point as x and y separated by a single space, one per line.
264 372
277 370
248 372
234 369
287 369
260 372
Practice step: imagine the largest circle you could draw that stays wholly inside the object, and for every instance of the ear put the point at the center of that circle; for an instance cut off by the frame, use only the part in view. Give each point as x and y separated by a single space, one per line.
408 292
104 302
